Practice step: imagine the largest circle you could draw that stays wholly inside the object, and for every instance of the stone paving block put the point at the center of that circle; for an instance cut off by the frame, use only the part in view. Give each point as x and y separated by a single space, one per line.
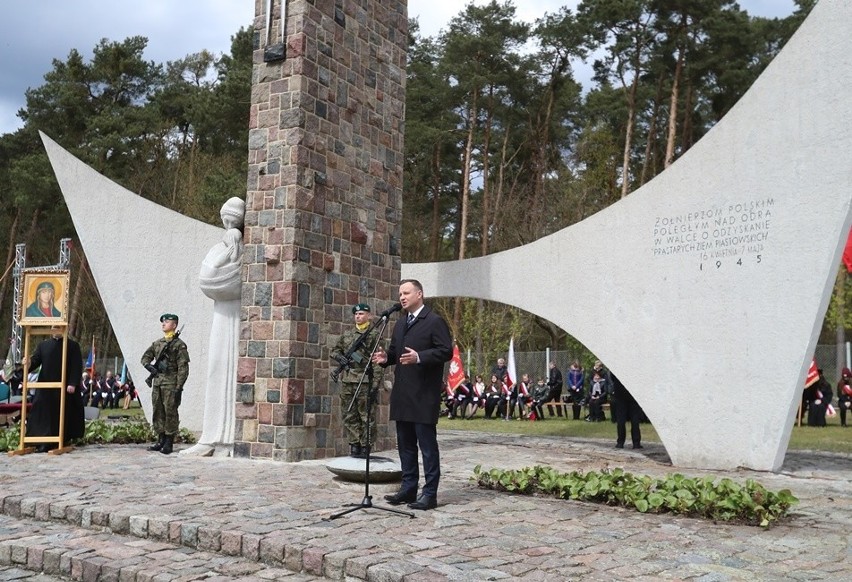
100 517
189 535
128 574
293 557
426 576
334 563
56 510
74 514
91 568
209 539
138 526
312 558
158 528
12 505
175 528
391 571
231 543
250 546
50 560
271 549
35 558
5 553
19 553
28 506
119 522
357 567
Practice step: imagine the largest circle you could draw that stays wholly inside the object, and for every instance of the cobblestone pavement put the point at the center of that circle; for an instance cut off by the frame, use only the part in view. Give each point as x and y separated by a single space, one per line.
122 513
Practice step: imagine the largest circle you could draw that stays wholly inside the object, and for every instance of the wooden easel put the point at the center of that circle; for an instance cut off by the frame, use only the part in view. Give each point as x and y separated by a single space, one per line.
24 445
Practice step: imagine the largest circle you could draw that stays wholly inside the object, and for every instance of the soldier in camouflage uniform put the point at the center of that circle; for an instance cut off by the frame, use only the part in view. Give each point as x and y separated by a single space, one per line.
168 360
355 418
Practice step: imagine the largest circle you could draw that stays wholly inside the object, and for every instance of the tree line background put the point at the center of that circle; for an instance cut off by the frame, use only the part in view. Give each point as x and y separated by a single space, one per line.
503 144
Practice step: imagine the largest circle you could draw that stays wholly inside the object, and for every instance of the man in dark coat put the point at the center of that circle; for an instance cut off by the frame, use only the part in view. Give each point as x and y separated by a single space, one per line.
420 346
626 408
819 396
44 418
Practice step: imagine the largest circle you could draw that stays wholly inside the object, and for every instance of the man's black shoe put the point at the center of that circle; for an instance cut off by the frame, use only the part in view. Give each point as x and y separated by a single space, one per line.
638 447
424 503
619 445
401 497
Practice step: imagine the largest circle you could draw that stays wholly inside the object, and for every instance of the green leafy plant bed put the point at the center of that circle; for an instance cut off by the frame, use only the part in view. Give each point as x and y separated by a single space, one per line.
723 500
125 431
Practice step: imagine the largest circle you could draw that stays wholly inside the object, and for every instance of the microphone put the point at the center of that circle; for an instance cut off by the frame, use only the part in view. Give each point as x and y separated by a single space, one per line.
390 310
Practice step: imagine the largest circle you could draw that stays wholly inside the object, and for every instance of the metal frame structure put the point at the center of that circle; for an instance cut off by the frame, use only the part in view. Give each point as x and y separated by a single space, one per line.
17 274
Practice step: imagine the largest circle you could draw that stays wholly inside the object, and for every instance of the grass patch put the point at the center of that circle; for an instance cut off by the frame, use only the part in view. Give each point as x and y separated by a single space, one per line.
832 438
135 412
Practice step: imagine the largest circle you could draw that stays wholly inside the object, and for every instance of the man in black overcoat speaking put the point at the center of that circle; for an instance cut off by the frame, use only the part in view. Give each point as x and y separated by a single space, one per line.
420 346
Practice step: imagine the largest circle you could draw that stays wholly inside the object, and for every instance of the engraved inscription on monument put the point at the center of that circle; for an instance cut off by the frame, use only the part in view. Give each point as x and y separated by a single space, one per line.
718 232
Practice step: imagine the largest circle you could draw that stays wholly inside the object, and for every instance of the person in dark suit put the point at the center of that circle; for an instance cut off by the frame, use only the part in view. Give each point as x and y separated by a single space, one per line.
626 409
44 418
420 346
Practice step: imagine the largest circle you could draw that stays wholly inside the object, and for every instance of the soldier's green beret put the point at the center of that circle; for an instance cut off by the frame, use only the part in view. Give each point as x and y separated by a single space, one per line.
361 307
166 316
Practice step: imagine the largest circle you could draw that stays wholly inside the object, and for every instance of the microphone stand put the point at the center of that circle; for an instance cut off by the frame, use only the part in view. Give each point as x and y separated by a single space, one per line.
372 398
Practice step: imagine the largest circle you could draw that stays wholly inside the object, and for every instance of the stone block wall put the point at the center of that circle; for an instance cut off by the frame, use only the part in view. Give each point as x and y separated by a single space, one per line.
323 212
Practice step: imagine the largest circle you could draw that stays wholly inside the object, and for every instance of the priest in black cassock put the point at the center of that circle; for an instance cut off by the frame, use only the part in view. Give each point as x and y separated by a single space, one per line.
43 420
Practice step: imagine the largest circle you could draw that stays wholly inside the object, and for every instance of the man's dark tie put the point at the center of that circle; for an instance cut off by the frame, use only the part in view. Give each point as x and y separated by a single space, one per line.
409 320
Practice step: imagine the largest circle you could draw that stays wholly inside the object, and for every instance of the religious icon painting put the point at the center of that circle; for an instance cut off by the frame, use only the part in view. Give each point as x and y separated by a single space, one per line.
44 297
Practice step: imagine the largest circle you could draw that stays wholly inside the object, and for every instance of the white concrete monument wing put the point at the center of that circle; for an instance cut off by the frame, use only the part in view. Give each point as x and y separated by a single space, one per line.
148 268
705 290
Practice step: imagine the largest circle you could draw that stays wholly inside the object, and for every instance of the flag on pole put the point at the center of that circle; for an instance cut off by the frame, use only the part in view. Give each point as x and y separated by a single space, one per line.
813 374
456 375
511 373
90 361
124 373
847 253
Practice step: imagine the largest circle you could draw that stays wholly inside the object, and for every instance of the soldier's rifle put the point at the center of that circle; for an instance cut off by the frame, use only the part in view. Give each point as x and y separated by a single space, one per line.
158 366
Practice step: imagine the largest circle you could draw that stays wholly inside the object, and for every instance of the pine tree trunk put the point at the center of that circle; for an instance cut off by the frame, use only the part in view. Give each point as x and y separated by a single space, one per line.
435 234
465 199
670 142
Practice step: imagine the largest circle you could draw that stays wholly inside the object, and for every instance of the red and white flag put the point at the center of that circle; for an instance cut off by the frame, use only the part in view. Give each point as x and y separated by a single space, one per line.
90 361
456 375
511 372
847 253
813 374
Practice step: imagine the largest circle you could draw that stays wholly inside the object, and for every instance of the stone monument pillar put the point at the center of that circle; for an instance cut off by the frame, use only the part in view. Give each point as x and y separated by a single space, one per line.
323 211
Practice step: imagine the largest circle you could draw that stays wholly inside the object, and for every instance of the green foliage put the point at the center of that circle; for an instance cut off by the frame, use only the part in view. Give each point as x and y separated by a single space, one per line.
126 431
723 500
10 437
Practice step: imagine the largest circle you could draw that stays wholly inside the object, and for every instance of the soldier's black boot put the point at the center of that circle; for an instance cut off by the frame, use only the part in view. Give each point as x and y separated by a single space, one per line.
168 443
159 444
355 450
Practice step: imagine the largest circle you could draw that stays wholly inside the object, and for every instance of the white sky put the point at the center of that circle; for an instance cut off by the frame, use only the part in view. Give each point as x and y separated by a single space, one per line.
32 34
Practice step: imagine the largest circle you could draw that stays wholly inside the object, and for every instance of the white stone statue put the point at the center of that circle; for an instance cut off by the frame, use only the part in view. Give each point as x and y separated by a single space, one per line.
219 280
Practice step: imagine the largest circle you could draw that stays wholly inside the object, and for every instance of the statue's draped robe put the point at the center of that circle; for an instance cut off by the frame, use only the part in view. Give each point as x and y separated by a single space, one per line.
219 280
